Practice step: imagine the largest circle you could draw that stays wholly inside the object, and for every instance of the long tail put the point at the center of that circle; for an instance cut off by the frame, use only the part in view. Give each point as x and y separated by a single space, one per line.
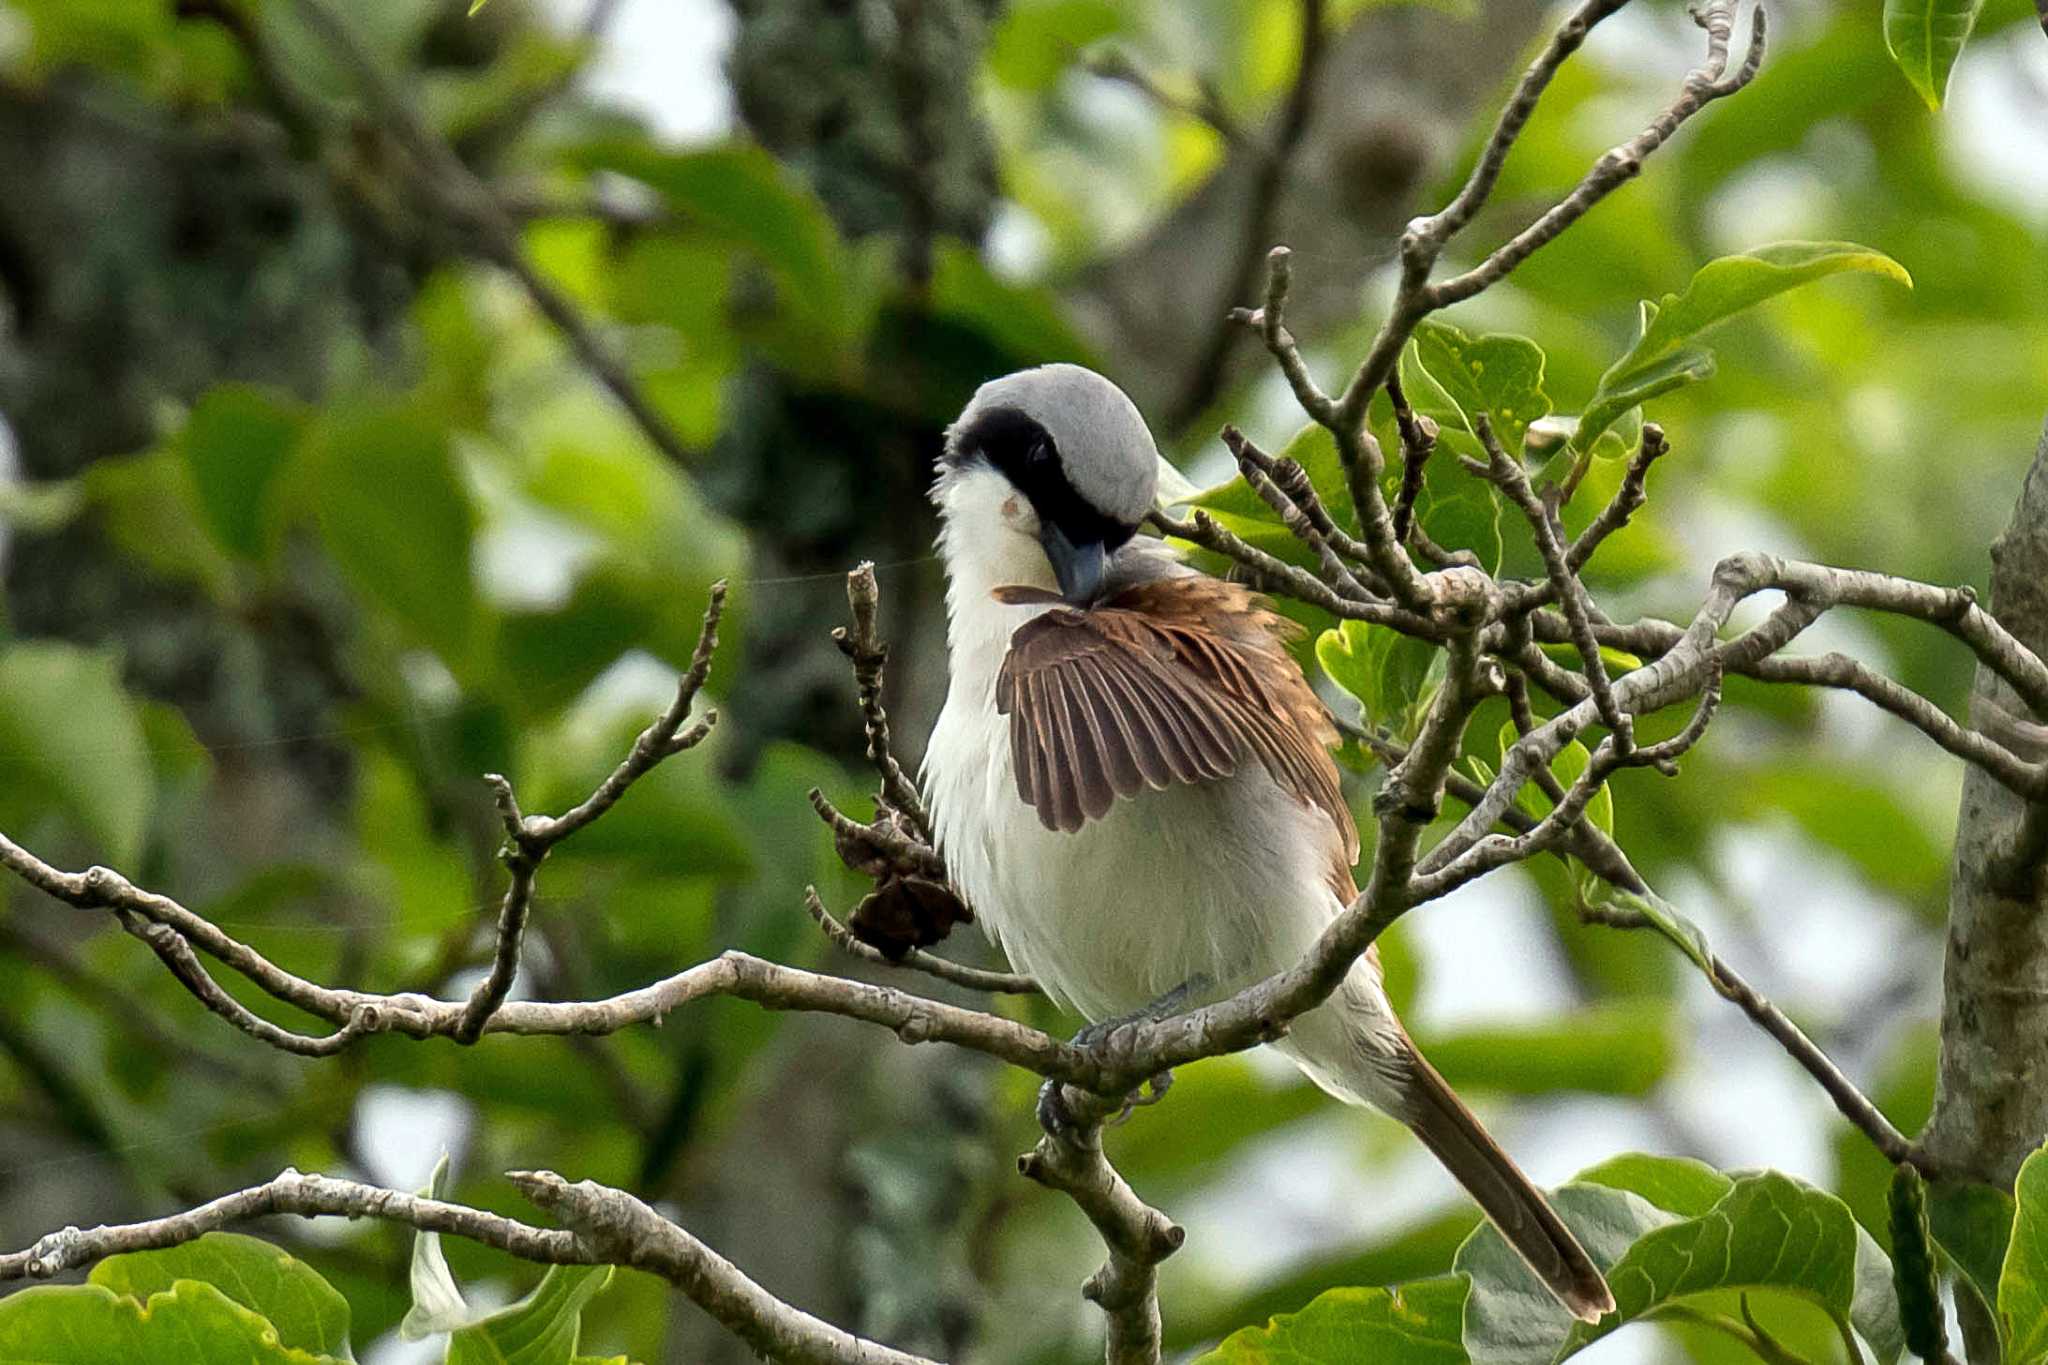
1437 1116
1353 1047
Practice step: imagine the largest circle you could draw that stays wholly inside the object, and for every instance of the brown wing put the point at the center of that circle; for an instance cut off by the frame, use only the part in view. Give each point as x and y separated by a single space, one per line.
1175 681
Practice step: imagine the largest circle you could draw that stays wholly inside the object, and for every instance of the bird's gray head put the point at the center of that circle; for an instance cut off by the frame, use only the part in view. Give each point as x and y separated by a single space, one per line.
1075 446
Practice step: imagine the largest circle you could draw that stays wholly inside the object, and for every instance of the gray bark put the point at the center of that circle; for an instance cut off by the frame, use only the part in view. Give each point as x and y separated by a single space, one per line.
1991 1100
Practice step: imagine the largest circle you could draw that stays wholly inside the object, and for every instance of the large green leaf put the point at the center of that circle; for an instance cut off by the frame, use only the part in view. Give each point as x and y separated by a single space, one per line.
1925 38
1664 358
191 1323
1768 1231
235 443
741 195
394 513
307 1312
70 737
1413 1324
2023 1279
1497 374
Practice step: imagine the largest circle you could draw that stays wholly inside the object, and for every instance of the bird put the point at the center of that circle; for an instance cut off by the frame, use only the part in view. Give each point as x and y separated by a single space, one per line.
1131 783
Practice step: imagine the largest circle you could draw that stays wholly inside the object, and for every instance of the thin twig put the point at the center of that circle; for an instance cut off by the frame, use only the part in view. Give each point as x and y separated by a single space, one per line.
1704 85
1314 529
1205 107
863 646
528 838
917 959
1418 443
1507 473
307 1196
1852 1103
1628 499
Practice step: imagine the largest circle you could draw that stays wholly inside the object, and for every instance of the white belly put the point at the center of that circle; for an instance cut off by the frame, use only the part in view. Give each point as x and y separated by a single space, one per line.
1220 883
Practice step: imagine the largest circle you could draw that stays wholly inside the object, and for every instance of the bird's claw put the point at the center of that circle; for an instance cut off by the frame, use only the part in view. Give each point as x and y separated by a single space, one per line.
1153 1091
1058 1119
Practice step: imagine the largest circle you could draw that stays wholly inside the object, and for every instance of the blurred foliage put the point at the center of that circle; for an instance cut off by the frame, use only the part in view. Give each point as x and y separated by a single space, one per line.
315 518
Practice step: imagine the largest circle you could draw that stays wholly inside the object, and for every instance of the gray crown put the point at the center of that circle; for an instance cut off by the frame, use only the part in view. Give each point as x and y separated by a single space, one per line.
1106 450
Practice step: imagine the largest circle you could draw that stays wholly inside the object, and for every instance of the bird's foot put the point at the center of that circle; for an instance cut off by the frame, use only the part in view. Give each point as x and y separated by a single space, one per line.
1056 1116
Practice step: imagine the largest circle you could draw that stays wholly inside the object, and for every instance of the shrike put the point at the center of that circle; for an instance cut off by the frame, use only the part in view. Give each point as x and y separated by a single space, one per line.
1131 780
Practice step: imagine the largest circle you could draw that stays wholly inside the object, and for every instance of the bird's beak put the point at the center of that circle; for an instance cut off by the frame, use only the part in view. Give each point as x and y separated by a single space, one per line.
1079 568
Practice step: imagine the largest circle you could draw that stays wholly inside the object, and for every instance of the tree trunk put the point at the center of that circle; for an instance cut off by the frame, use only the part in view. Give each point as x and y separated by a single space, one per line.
1991 1100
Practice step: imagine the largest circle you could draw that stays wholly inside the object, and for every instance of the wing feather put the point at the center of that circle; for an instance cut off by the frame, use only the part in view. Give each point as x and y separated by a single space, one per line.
1180 680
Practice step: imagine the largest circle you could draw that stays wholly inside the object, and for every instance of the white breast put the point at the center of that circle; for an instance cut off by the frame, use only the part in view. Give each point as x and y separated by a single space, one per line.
1223 882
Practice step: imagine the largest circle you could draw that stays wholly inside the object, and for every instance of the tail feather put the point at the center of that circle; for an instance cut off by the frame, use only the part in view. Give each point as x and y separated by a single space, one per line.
1437 1116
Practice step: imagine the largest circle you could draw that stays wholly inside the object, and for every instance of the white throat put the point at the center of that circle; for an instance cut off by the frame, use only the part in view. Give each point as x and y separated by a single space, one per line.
988 538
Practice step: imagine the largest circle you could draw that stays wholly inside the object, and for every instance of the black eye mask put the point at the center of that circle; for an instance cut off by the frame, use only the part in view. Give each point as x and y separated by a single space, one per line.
1015 444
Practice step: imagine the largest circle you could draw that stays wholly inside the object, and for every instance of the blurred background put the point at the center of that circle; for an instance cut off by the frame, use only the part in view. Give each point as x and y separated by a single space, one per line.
313 508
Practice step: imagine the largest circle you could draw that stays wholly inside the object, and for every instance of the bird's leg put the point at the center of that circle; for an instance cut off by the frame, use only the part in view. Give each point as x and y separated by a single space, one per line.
1054 1114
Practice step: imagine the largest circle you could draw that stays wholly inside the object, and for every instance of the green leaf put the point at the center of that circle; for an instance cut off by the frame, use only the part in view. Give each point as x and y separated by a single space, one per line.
743 196
1570 762
1511 1318
548 657
1925 37
1765 1231
2023 1279
1036 40
71 736
1768 1231
1236 506
394 514
540 1329
1722 288
150 511
307 1312
1663 359
236 441
191 1323
1024 321
1498 374
1622 391
1972 1225
1675 1184
1418 1323
1388 672
1661 915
